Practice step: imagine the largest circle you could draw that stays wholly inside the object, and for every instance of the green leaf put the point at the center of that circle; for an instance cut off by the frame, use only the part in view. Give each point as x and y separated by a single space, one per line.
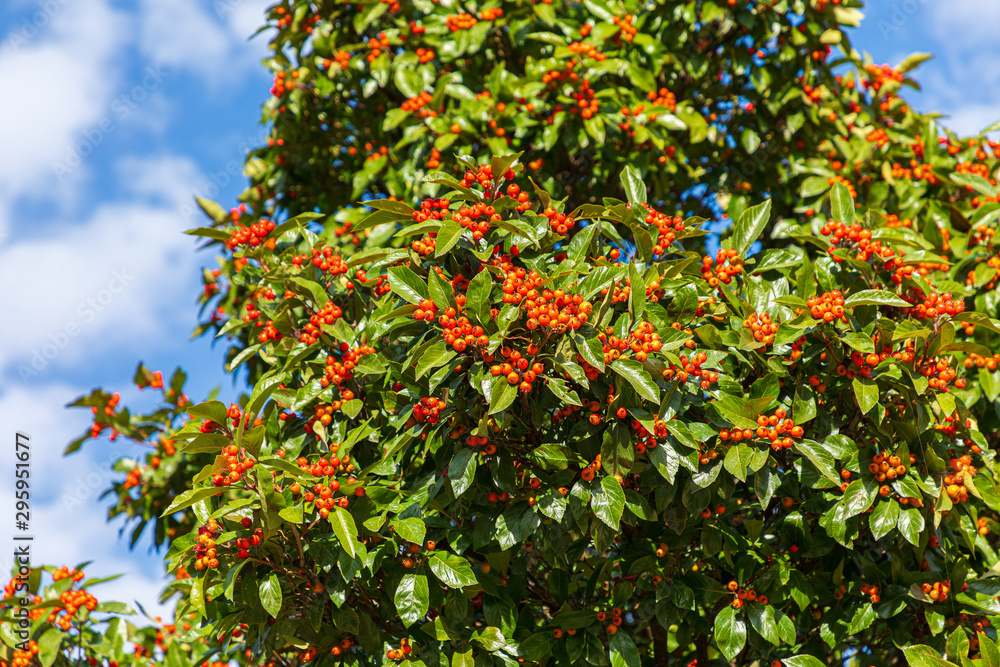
636 375
501 163
608 501
737 460
345 529
637 293
634 188
477 296
411 529
883 518
748 227
435 356
911 61
407 284
412 598
874 297
841 204
911 524
730 632
957 645
190 497
862 619
214 411
803 660
490 638
564 393
820 457
460 659
502 394
866 391
453 571
925 656
448 235
977 183
762 620
462 470
979 319
623 651
270 595
440 290
48 645
591 350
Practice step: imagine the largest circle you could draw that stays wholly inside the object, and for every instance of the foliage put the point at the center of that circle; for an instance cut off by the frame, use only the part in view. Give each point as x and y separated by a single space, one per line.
515 410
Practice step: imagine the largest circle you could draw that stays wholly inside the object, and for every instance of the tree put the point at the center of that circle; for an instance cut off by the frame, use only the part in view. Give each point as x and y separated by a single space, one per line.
515 410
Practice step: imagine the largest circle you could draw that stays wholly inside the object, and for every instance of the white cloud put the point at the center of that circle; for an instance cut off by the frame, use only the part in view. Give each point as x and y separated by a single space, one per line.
65 72
965 23
117 280
964 82
209 42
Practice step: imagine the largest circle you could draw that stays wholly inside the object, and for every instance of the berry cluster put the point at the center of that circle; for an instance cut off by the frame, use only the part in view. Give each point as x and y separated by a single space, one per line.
778 428
321 495
71 601
485 178
662 98
626 31
252 235
938 591
205 550
691 367
885 466
989 363
432 209
428 410
762 327
554 309
559 222
859 241
404 647
244 544
339 371
514 191
743 595
376 46
477 218
934 305
588 473
668 227
419 104
828 306
518 369
238 463
324 260
456 22
954 481
872 592
726 263
588 51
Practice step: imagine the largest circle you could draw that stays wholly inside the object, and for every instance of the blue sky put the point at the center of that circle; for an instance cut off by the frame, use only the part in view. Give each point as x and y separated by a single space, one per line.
116 114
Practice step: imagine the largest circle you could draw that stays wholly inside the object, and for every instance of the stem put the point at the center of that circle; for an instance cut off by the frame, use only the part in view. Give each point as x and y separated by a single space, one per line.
661 657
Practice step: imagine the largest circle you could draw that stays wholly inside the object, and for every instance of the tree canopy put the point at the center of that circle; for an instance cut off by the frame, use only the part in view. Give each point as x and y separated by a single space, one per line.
615 333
